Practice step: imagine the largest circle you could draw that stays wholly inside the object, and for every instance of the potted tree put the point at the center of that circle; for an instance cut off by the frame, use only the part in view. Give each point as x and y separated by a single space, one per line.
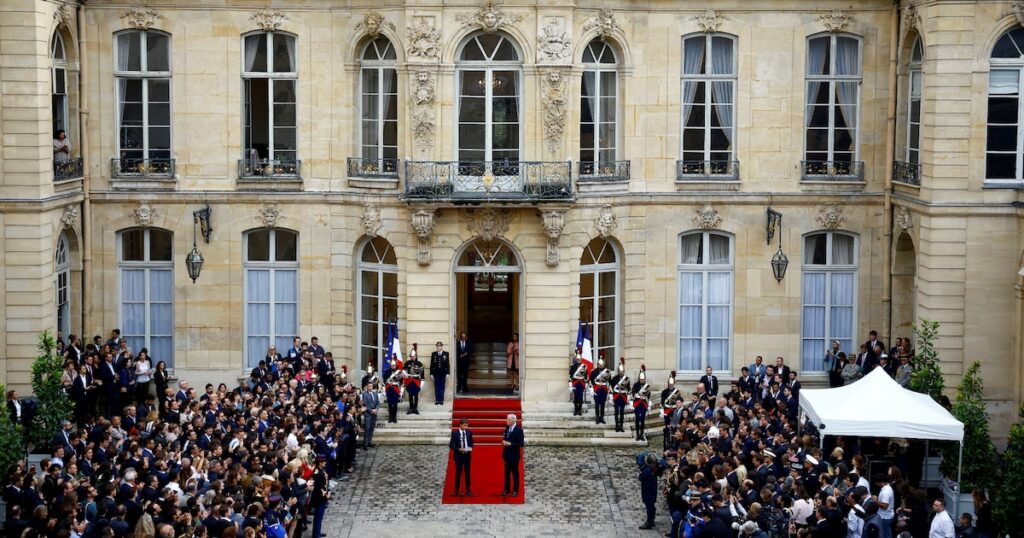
979 454
12 448
927 379
52 404
1010 497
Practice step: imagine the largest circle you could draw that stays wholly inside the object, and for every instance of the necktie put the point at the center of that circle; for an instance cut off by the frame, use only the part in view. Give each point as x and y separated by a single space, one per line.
463 434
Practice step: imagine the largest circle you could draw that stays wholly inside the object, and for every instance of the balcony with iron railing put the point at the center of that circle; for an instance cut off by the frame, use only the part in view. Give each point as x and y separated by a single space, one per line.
832 170
141 168
604 172
373 168
488 181
906 173
67 169
707 171
260 169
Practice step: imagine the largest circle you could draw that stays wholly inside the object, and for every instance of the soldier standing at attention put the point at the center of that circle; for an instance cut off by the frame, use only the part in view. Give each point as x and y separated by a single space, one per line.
599 380
641 401
439 369
578 383
620 395
413 381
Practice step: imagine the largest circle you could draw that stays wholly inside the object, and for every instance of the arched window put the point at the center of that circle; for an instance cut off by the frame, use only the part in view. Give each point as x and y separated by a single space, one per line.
829 295
147 291
598 108
599 297
489 105
59 81
833 103
269 81
1005 143
62 266
708 97
378 299
271 291
379 106
143 74
705 301
915 82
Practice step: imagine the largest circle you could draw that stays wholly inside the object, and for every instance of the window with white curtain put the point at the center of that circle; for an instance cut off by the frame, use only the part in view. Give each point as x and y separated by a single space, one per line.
378 299
915 82
269 81
1004 147
271 291
488 99
62 266
829 296
599 297
708 97
598 102
379 104
705 301
59 84
833 101
143 74
146 273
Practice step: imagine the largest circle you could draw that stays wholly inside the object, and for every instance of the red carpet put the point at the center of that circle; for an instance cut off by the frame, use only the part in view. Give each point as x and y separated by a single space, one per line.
487 422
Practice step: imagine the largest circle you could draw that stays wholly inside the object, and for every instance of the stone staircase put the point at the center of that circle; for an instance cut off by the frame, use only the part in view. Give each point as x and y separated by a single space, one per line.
430 427
487 373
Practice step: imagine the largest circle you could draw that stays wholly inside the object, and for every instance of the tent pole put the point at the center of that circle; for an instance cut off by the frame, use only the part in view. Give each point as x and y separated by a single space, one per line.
959 487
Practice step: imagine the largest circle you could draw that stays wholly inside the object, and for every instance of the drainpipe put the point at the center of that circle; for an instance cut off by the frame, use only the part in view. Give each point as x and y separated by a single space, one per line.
83 122
890 156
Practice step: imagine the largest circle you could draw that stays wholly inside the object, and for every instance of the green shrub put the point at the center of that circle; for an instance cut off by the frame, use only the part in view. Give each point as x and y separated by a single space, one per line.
926 377
979 464
53 404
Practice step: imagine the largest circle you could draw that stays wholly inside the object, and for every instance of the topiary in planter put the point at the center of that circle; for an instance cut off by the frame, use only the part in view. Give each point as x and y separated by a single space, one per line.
1009 499
979 464
53 404
926 377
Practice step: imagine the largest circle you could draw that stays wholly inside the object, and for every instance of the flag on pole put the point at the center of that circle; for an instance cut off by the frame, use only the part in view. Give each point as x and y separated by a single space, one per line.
394 347
584 346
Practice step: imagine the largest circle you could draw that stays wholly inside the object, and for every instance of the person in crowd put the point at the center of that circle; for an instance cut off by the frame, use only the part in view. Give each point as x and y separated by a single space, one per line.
942 525
512 362
511 454
463 350
461 444
61 146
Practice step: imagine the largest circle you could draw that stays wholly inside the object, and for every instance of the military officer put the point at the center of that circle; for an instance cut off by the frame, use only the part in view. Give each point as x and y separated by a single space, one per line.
577 383
599 379
620 395
439 369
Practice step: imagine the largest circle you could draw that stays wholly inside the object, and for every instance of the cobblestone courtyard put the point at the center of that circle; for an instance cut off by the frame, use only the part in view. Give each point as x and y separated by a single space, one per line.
569 492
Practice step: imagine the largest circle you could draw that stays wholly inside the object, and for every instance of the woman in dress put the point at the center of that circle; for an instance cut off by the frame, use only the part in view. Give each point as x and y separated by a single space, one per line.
143 371
512 362
160 381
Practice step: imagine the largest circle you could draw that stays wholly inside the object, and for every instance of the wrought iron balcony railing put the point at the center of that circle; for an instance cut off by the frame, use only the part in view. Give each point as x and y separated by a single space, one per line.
145 168
67 169
909 173
525 181
707 170
269 169
832 170
604 171
373 168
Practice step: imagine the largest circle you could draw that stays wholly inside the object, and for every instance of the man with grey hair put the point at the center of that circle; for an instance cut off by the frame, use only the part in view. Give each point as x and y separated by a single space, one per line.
512 454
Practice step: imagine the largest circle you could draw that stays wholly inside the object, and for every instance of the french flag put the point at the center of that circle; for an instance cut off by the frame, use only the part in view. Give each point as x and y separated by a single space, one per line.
394 348
584 346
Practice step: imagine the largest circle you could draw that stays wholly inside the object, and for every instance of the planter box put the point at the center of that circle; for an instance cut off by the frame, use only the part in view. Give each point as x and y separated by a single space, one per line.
950 489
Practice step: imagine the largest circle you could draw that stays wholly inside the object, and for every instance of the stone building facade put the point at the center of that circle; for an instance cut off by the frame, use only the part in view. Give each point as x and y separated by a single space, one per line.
515 167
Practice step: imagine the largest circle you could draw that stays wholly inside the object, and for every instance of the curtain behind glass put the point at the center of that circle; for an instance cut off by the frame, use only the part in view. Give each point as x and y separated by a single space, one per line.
719 247
693 58
721 64
841 309
719 296
691 248
817 53
691 295
257 314
123 51
842 249
813 329
252 44
847 64
161 315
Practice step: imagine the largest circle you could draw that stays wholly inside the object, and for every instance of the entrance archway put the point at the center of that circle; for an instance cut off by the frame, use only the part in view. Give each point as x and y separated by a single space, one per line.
904 287
488 297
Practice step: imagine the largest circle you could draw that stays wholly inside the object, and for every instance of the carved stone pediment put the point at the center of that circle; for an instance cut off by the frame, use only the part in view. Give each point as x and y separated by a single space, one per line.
268 20
707 218
836 21
372 23
491 17
269 214
604 23
144 214
710 21
372 221
488 224
141 18
606 222
831 217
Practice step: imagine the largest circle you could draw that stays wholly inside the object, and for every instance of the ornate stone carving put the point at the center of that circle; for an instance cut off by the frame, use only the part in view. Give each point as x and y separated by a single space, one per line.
268 21
606 222
710 21
831 217
904 221
424 39
604 22
836 21
553 42
707 218
489 223
553 221
912 18
553 96
490 17
423 96
373 23
1016 11
144 214
270 213
69 220
141 18
62 16
423 225
371 220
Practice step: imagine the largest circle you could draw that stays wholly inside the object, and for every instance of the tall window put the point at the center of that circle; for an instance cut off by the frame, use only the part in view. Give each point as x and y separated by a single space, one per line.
59 81
708 94
147 292
379 134
598 103
488 90
705 301
271 291
599 291
269 86
1005 142
143 73
833 99
62 264
829 295
378 299
915 81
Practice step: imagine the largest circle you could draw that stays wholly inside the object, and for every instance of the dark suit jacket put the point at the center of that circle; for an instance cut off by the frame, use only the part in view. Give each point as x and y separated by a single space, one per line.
439 364
710 383
455 444
512 453
462 362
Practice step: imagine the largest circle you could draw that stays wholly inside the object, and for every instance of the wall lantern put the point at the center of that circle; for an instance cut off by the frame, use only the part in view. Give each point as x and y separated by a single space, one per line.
779 262
194 260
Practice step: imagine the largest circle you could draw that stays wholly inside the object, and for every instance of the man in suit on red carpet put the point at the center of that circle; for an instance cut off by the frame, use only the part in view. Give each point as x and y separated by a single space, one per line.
462 445
512 453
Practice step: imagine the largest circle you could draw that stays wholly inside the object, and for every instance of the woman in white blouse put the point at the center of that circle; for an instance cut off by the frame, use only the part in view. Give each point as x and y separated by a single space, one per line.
143 369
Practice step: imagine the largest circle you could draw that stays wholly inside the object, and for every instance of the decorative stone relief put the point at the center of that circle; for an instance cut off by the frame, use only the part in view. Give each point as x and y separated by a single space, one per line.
553 221
69 220
912 19
424 40
268 21
606 222
373 23
904 221
553 42
371 220
144 214
270 213
423 96
604 22
489 223
553 97
707 218
710 21
1017 11
62 16
423 225
141 18
836 21
831 217
490 17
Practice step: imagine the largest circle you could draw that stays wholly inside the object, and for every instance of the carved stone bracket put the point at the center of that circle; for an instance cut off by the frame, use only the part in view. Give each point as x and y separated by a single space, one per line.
268 21
491 17
553 221
424 39
488 224
707 218
1016 11
144 214
141 18
831 217
553 43
62 16
604 22
912 18
371 220
553 96
373 22
69 220
423 225
836 21
423 97
904 220
606 222
270 214
710 21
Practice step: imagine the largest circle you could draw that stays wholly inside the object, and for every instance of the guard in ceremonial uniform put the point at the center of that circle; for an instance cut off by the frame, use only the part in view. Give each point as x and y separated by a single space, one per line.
578 384
372 379
599 379
413 381
440 366
641 402
393 389
620 395
669 401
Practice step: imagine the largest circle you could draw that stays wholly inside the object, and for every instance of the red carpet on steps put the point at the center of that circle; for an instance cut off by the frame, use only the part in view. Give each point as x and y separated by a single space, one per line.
487 422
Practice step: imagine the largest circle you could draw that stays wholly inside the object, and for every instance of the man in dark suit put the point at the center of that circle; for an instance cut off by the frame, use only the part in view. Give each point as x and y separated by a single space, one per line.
710 381
440 367
781 369
461 444
872 342
108 375
371 404
512 453
462 351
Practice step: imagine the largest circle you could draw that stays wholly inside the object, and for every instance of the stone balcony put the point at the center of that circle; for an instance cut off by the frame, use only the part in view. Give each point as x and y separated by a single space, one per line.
509 182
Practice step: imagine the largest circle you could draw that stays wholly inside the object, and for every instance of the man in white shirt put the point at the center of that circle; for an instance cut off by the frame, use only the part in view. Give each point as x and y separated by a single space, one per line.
885 500
942 524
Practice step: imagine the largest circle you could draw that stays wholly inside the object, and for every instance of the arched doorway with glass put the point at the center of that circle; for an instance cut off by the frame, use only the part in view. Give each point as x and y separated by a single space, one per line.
488 300
62 272
378 300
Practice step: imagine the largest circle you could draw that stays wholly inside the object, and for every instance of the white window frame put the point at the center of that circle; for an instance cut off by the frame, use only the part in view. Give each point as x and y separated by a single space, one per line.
62 285
1007 64
705 269
271 77
829 269
379 65
378 268
831 80
708 78
600 94
60 65
147 265
146 76
914 73
489 67
272 266
596 269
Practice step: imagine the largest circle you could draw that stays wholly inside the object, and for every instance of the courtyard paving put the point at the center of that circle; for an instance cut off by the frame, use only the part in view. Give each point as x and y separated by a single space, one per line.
396 491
